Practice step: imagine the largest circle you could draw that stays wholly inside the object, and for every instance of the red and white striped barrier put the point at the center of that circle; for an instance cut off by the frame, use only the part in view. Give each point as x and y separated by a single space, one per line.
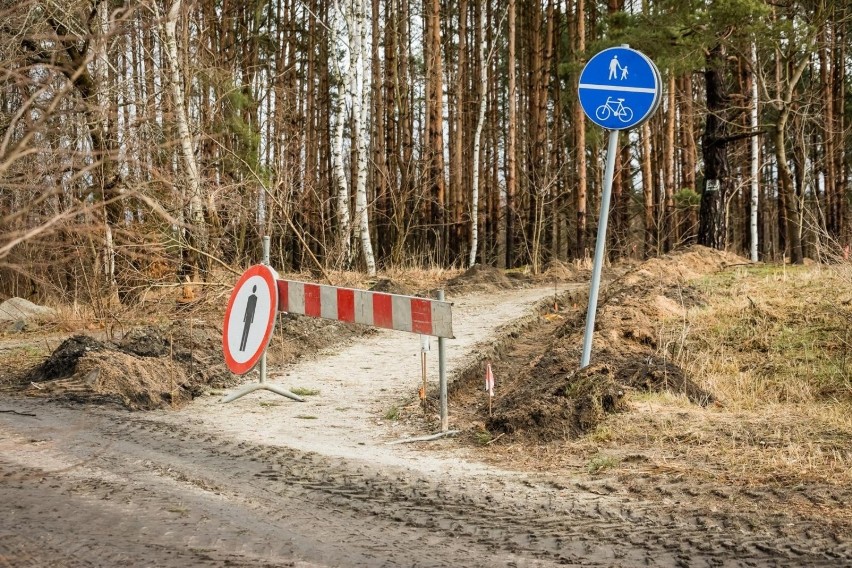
378 309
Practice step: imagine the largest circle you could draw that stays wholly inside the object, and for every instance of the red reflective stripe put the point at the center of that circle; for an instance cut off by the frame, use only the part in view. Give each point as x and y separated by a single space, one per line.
283 300
390 311
313 306
382 310
421 316
345 304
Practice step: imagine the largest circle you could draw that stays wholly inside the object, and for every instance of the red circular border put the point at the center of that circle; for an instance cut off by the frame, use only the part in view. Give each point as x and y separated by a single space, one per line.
269 277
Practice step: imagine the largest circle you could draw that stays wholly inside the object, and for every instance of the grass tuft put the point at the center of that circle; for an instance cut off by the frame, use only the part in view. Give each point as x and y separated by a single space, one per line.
392 413
600 463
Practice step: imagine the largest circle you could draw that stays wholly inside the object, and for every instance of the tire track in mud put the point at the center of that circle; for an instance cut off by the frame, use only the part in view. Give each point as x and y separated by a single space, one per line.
144 473
369 516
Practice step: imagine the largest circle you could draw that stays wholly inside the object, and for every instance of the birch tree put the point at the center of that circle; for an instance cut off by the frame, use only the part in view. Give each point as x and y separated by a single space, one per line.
755 158
360 110
358 84
199 240
477 138
339 172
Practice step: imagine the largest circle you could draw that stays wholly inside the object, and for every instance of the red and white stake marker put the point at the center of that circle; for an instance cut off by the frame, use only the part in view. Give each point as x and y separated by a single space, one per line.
489 385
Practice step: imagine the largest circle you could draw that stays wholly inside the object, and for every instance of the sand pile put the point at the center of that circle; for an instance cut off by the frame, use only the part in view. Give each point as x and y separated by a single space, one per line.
148 368
552 399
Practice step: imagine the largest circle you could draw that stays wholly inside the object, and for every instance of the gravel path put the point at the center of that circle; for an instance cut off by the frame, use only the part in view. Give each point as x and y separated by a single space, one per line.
358 383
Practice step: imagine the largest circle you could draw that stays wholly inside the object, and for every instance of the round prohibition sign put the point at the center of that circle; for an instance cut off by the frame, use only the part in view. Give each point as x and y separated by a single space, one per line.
250 318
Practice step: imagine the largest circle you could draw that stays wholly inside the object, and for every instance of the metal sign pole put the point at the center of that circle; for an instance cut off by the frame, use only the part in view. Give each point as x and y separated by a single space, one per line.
442 375
266 262
262 385
619 88
600 246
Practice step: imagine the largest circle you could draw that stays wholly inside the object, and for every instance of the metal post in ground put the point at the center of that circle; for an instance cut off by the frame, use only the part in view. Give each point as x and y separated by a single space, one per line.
262 385
600 246
442 375
266 262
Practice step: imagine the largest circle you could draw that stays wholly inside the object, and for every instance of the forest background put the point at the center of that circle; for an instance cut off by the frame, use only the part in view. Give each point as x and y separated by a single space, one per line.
152 142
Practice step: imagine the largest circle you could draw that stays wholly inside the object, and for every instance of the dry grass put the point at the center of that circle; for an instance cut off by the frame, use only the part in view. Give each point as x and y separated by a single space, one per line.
414 279
775 444
774 345
772 336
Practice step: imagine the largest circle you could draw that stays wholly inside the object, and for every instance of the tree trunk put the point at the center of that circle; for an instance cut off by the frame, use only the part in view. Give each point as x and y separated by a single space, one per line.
360 112
755 159
456 187
785 182
792 213
511 143
343 219
712 228
380 175
477 137
198 232
670 219
434 151
648 192
580 142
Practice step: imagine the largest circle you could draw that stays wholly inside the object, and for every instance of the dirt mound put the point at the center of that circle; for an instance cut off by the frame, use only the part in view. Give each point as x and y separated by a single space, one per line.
548 398
629 316
148 368
63 361
561 407
557 403
391 287
556 269
481 278
682 265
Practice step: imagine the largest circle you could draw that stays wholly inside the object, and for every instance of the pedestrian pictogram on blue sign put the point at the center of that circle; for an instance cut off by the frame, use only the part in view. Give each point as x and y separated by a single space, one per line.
619 88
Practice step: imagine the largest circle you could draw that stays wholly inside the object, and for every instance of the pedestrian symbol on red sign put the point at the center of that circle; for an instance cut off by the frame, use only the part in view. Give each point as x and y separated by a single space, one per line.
250 318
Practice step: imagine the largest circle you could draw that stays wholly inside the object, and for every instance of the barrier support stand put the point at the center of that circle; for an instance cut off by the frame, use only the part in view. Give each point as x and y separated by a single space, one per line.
262 385
442 375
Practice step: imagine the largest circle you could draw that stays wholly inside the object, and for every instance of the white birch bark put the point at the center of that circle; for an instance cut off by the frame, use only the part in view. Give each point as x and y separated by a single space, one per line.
101 75
755 155
360 110
338 168
193 181
477 138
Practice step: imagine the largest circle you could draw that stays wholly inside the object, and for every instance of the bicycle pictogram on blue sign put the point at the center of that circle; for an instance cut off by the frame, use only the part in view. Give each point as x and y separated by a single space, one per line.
619 88
614 107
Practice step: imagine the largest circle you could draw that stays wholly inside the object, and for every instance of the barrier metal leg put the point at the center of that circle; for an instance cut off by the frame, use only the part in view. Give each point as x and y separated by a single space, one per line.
261 386
442 376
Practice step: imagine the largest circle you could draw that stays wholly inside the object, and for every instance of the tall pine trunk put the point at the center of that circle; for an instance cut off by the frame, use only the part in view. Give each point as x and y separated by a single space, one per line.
434 150
712 226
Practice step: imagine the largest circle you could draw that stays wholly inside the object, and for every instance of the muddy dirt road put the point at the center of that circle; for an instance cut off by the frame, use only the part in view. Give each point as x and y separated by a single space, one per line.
266 481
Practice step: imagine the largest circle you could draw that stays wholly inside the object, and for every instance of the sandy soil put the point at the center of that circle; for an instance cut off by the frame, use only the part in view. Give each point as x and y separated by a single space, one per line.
266 481
358 384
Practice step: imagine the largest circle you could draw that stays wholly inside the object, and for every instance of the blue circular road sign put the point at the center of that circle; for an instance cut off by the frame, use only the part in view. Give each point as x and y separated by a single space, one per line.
619 88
